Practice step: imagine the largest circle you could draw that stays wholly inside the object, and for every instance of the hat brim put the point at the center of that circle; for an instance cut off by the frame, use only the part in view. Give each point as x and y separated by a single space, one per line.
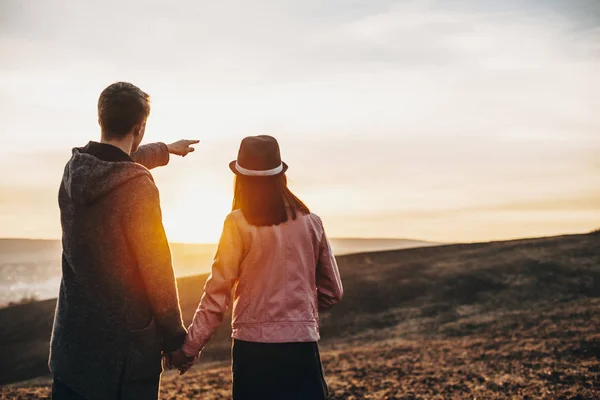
235 171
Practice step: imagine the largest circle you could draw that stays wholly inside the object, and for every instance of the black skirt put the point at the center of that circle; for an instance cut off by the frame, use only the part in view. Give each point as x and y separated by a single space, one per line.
277 371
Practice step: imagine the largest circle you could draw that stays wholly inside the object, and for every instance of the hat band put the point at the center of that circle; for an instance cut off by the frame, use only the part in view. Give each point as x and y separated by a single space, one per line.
251 172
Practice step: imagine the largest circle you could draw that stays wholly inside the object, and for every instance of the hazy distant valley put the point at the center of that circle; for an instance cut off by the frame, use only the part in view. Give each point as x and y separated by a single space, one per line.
30 269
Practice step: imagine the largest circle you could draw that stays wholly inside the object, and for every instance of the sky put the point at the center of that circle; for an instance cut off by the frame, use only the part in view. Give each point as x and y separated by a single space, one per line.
453 121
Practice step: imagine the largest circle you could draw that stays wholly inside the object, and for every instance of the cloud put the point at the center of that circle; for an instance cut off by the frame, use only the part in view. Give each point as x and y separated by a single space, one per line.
389 105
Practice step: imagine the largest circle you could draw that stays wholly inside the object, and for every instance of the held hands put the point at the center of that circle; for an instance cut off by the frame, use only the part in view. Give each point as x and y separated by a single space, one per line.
178 359
182 147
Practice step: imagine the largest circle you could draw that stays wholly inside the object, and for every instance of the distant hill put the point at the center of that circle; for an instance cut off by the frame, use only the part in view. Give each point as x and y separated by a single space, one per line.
482 291
30 269
191 259
33 247
17 250
342 246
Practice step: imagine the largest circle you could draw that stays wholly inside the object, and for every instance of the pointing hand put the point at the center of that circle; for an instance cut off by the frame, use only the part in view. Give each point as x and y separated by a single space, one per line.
182 147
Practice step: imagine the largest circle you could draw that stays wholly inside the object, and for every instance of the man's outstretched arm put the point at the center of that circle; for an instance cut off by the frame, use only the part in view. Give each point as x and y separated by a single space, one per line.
157 154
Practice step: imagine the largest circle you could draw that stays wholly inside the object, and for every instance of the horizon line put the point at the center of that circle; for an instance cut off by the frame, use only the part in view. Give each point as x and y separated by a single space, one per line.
592 231
214 243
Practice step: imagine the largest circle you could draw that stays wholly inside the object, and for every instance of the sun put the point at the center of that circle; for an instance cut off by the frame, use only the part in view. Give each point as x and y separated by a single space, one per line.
196 217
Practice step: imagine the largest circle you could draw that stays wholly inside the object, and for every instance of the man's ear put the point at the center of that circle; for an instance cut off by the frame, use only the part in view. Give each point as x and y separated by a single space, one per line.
137 129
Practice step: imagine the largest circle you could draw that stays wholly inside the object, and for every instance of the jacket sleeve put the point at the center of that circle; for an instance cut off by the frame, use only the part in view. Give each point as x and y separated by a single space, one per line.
329 283
149 244
152 155
217 290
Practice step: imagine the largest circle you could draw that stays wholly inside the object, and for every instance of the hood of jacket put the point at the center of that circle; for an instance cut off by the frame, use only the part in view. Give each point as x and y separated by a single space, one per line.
87 178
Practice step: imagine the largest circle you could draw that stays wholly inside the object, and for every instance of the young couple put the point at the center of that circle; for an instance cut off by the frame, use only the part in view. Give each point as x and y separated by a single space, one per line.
118 311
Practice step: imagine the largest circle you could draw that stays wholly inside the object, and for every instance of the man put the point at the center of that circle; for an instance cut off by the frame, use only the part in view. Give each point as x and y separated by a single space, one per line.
118 308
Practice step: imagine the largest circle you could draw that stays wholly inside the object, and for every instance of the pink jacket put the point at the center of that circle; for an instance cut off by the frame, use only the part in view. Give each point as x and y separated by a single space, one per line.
282 276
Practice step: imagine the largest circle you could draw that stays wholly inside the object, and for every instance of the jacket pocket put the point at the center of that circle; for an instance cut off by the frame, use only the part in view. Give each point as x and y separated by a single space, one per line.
144 359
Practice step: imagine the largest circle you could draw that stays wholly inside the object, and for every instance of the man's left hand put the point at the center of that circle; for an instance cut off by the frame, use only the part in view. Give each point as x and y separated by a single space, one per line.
182 147
178 359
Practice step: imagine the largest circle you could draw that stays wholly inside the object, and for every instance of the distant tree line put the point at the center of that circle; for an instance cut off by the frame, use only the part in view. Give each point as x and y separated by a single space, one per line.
32 298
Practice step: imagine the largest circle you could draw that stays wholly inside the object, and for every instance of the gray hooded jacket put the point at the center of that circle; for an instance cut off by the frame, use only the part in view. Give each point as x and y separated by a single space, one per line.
118 306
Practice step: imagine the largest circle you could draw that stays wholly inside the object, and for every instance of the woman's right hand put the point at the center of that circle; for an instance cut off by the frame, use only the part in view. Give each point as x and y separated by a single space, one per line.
178 359
185 367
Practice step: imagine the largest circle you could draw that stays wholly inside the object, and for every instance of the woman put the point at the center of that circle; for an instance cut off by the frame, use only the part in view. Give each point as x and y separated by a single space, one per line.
274 253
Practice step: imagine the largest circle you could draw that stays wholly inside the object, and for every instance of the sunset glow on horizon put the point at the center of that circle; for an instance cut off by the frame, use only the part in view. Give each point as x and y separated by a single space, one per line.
469 121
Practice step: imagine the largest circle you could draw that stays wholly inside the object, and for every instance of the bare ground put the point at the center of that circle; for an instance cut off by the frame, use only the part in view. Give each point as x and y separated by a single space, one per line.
512 320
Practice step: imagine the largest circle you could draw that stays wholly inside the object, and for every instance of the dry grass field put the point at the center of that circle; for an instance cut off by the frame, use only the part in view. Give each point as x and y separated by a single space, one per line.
500 320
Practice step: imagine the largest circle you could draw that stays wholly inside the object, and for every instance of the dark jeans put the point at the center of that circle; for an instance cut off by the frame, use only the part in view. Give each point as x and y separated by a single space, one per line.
140 389
275 371
60 391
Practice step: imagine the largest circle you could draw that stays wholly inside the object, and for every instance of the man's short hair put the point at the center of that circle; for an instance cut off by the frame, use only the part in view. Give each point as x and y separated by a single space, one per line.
121 106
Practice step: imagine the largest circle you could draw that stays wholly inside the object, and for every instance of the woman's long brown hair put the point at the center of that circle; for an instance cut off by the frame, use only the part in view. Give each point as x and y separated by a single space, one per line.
264 201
